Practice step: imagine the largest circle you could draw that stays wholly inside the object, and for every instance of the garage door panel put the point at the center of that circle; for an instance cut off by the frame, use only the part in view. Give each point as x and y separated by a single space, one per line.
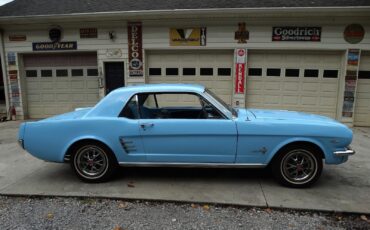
62 97
290 100
47 84
291 86
310 87
62 85
297 91
308 100
47 96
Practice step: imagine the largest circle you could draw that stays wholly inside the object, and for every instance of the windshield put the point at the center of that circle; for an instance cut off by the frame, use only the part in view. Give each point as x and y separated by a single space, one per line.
219 100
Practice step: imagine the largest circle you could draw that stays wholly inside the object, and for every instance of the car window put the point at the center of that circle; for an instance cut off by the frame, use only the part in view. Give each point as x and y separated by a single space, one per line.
131 109
176 106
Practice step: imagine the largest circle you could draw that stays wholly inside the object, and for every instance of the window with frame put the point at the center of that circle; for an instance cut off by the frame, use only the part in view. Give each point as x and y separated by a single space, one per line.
170 106
31 73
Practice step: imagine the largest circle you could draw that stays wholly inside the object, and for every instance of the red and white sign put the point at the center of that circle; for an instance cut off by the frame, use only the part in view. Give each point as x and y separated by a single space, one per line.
240 70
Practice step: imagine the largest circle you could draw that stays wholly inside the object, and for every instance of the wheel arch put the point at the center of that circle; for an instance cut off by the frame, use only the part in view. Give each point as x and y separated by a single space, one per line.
69 150
304 142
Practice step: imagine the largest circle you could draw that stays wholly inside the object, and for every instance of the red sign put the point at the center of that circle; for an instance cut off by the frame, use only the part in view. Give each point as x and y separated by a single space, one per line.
240 71
17 38
135 49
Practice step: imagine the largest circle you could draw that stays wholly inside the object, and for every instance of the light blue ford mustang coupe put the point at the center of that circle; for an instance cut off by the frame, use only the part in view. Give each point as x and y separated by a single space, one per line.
186 125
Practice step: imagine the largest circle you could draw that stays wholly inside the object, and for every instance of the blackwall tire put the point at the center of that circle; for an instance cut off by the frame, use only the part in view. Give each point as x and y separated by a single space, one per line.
93 162
297 166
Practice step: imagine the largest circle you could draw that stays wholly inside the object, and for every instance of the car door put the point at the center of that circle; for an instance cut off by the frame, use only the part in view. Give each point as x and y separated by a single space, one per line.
175 127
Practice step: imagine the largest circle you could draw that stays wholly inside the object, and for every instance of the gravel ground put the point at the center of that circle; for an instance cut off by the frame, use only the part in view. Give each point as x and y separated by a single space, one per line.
74 213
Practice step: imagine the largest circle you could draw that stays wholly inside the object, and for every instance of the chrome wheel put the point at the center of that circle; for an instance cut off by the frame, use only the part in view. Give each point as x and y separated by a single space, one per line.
299 166
91 162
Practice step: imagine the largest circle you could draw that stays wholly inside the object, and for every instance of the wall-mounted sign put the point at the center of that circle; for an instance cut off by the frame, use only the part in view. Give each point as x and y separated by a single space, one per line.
242 34
17 38
354 33
352 66
240 58
88 33
114 53
55 34
135 49
295 33
43 46
188 36
11 59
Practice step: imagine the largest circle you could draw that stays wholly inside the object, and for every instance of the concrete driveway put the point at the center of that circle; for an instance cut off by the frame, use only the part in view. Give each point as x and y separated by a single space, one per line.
342 188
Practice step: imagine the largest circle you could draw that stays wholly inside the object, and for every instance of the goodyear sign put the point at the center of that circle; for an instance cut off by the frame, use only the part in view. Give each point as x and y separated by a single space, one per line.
45 46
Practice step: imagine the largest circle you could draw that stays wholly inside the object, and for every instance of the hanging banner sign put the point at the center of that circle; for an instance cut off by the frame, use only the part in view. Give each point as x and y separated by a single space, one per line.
295 33
135 49
44 46
88 33
240 58
188 36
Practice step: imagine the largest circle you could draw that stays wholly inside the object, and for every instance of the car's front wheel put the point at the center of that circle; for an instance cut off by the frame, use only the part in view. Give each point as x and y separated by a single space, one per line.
93 162
297 166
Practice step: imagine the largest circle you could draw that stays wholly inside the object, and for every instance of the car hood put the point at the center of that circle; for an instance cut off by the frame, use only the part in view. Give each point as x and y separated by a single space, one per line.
288 115
78 113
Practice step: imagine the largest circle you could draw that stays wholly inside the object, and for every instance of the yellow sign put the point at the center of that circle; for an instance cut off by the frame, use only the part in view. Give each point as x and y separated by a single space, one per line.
188 36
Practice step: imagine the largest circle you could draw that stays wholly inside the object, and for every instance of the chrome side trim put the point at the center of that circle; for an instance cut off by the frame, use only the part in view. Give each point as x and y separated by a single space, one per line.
342 153
191 165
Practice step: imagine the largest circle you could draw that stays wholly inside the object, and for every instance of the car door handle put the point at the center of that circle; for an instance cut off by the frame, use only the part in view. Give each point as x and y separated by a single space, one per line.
146 125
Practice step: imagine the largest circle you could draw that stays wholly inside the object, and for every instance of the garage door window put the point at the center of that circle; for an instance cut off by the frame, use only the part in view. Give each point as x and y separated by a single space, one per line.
292 73
92 72
172 71
188 71
364 74
311 73
46 73
255 72
224 71
62 73
273 72
206 71
31 73
330 74
155 71
77 72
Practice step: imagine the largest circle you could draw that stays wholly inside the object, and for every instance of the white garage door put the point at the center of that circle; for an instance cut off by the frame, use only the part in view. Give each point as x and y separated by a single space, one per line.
210 68
301 81
58 83
362 107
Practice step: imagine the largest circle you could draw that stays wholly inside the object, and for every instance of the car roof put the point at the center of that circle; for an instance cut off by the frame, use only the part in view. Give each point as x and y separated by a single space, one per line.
143 88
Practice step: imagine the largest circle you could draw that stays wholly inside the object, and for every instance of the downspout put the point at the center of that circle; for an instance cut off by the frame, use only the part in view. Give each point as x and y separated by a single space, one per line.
5 76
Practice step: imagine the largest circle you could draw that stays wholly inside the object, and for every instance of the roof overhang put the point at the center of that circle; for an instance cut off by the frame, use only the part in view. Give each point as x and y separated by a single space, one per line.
361 11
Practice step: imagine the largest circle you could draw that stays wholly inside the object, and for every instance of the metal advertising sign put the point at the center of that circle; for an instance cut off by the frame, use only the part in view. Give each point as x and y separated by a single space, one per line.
135 49
354 33
240 70
295 33
350 82
17 38
43 46
188 36
242 34
88 33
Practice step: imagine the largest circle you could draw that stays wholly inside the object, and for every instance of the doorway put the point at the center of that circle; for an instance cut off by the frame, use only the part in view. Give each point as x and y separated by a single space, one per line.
114 76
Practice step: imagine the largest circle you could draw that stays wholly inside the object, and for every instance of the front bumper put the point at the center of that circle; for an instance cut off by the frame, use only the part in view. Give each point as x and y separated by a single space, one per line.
343 153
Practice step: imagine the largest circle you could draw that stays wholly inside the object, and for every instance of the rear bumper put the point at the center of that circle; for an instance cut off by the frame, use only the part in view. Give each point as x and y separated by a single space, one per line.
347 152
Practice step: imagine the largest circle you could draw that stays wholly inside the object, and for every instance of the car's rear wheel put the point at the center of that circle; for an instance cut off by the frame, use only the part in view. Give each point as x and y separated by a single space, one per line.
93 162
297 166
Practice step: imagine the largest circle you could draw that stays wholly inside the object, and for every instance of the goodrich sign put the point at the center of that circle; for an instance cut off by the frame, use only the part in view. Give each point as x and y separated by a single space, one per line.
294 33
